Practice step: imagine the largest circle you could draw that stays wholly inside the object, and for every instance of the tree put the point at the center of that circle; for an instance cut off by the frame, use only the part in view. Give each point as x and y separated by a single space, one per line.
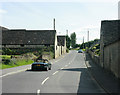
73 40
68 41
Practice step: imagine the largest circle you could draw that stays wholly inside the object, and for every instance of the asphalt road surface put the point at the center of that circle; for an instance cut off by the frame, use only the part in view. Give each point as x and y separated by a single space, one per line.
69 74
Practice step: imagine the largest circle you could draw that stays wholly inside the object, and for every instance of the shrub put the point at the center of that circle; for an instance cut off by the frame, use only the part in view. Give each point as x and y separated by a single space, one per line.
67 50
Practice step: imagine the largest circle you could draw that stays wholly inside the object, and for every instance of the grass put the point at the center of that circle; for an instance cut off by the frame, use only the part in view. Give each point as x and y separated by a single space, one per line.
83 49
15 62
18 63
74 49
5 56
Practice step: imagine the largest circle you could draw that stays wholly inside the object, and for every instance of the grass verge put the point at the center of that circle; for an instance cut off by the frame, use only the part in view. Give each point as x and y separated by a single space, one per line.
16 63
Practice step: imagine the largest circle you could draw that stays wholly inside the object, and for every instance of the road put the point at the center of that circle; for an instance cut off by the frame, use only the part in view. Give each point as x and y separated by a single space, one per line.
69 74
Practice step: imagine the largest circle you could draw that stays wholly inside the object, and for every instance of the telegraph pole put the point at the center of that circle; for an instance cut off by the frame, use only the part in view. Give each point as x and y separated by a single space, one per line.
88 35
83 42
66 32
54 23
88 38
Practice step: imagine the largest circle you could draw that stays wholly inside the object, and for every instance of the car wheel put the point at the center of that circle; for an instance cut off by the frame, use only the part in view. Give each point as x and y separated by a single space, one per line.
47 69
50 68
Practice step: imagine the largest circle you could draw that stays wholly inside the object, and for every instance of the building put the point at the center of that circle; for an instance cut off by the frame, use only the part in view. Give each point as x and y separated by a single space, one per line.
61 45
30 39
110 46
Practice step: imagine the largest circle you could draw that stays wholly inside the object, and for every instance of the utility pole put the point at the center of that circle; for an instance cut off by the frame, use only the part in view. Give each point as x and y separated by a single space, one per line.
88 38
83 42
54 23
67 32
88 35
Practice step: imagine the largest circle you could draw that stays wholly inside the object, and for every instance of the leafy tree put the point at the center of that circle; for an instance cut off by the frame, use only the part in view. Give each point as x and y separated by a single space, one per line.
73 40
68 41
89 44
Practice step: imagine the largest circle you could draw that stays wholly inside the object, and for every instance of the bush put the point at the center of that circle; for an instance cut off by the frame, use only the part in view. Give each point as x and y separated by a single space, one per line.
97 52
67 50
49 53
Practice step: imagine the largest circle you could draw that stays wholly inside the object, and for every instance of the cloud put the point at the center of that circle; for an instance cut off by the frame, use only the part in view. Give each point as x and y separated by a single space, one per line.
99 1
2 11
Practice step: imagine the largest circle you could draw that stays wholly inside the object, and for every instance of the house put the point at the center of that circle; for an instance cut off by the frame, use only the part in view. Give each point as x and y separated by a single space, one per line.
32 39
110 46
61 45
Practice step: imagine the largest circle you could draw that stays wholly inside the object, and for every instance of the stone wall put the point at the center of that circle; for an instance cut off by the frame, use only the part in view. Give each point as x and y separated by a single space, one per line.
110 46
112 58
94 57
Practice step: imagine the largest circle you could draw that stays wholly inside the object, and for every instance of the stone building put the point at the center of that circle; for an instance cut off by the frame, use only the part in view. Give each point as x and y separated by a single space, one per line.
110 46
61 45
25 39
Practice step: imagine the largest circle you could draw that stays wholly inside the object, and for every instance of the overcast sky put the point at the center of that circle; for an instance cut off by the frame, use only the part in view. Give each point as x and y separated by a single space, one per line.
77 16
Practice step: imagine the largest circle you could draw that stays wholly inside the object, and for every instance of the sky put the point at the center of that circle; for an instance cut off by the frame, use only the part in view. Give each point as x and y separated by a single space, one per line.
79 16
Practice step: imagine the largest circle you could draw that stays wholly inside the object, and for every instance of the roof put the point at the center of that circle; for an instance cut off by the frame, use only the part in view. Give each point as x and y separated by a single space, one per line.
110 31
43 37
3 28
31 37
61 40
13 37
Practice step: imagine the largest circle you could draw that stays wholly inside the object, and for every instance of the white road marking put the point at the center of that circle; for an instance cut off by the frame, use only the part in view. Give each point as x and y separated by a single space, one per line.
45 80
69 63
55 73
11 73
62 68
38 92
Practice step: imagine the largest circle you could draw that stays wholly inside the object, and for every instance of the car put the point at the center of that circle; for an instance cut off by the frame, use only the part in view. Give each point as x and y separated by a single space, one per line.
41 64
80 51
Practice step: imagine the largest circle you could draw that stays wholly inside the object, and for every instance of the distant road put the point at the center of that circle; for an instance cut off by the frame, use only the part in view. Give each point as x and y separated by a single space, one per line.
68 75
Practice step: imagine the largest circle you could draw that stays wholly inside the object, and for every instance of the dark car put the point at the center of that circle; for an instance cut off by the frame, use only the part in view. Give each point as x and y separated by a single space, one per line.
42 64
80 51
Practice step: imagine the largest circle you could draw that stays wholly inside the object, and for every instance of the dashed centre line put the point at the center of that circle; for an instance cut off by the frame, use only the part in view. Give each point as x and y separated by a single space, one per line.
45 80
62 68
55 73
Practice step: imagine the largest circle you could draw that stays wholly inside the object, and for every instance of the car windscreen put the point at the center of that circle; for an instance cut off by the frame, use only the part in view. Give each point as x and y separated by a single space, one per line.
42 60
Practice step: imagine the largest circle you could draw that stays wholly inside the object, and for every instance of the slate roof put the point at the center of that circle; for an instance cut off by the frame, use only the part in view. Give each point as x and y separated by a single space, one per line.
31 37
110 29
3 28
43 37
61 40
13 37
